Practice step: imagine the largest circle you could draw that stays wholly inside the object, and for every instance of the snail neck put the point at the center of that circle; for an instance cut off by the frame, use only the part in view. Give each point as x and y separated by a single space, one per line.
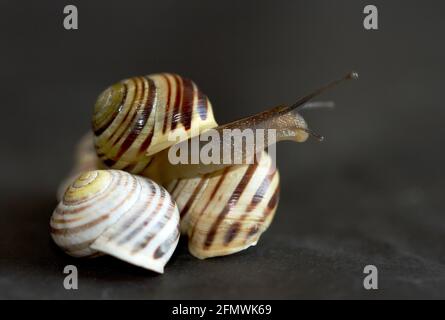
265 128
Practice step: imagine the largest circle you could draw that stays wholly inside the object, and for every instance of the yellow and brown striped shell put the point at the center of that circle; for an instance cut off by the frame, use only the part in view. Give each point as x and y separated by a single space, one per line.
223 212
133 119
227 211
114 212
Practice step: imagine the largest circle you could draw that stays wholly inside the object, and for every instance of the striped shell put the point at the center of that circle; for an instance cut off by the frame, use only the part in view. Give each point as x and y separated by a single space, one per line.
114 212
133 119
227 211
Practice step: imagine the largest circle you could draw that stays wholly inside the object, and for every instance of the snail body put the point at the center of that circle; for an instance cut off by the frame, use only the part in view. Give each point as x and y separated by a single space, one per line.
114 212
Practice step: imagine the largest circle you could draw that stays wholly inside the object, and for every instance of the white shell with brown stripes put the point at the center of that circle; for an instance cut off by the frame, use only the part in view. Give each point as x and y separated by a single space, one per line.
227 211
113 212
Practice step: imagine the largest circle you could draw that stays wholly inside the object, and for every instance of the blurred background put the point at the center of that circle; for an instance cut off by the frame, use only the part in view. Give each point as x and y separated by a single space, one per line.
370 194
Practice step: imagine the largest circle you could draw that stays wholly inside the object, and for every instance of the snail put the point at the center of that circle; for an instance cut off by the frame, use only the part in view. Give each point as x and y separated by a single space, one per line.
223 208
120 214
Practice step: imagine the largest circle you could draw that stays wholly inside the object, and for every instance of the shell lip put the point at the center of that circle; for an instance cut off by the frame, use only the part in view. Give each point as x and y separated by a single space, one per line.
124 256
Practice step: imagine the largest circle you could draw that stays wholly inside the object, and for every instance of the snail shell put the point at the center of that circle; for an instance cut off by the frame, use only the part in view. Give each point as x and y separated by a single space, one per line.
227 211
222 212
113 212
133 119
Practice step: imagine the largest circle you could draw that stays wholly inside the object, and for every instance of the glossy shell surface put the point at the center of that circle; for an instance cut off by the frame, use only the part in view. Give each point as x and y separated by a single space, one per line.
114 212
227 211
138 117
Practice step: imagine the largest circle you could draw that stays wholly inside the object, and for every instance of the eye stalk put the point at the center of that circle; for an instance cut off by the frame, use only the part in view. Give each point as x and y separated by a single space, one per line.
300 103
285 120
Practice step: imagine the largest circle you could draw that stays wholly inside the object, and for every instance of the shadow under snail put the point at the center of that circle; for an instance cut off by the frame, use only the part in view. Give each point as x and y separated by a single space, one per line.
131 202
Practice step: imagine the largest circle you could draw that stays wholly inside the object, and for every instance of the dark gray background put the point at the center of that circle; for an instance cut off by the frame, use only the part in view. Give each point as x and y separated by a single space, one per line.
372 193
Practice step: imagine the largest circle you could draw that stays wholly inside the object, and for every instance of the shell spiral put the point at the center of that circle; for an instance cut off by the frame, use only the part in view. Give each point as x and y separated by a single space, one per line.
114 212
133 119
85 160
